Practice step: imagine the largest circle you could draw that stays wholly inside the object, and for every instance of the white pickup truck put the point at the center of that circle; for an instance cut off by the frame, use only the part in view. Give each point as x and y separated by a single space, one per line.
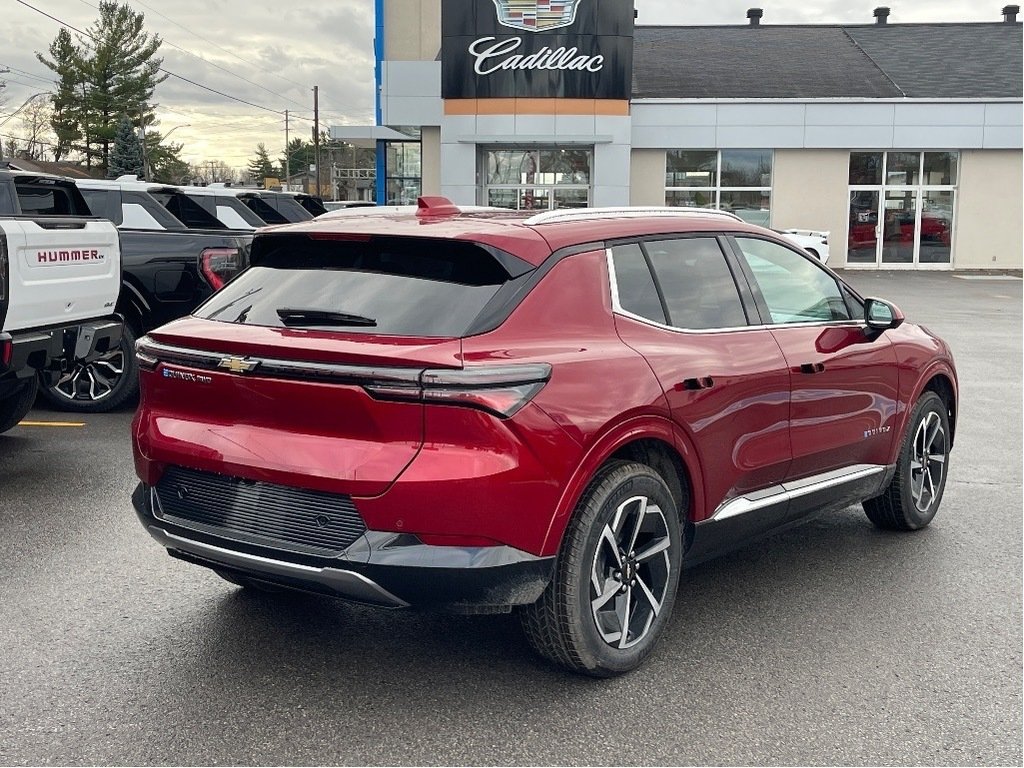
60 275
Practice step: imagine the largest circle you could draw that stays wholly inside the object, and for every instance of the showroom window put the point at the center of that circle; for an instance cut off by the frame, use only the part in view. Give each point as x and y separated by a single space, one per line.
734 180
901 208
537 179
404 177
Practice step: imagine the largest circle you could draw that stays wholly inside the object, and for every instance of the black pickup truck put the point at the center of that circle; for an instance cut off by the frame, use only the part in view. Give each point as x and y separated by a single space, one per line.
167 270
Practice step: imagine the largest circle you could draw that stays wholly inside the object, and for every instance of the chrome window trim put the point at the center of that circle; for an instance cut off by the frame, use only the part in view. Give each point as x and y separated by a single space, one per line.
792 489
619 310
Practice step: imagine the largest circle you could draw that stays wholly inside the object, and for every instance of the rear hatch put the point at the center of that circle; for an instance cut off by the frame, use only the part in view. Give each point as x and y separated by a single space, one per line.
306 370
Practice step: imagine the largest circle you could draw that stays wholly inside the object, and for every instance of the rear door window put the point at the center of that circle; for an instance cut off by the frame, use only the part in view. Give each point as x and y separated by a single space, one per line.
698 287
386 286
51 200
187 211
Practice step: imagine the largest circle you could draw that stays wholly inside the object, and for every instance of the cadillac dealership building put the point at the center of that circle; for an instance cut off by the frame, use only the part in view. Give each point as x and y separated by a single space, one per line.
902 140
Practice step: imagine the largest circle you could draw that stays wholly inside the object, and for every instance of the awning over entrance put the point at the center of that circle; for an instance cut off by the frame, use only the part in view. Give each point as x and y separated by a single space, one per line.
367 136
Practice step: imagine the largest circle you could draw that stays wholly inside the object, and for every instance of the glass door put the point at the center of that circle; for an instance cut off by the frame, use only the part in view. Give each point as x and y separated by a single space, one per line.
899 227
862 236
902 207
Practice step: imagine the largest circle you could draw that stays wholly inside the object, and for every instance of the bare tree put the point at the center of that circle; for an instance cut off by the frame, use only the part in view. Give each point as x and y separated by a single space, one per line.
35 128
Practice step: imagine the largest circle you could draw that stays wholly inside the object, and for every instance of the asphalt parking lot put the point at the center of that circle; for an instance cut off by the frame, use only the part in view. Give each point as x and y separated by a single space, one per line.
830 644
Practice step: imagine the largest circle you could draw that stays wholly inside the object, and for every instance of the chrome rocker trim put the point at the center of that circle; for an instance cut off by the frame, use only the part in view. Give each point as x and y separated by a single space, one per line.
792 489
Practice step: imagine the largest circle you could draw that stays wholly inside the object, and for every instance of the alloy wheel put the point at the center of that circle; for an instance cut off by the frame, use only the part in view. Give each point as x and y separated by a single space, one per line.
928 462
92 381
630 573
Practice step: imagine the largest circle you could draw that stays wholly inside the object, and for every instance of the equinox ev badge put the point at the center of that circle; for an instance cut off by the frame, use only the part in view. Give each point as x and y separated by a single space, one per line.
191 378
238 364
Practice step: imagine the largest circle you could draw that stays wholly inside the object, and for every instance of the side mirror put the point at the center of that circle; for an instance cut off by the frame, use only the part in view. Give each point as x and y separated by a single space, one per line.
880 315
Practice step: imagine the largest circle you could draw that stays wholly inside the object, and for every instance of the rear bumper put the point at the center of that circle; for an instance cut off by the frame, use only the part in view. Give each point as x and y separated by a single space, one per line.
383 569
46 349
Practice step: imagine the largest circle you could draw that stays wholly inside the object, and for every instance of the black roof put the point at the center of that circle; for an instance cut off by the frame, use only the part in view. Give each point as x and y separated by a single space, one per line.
976 60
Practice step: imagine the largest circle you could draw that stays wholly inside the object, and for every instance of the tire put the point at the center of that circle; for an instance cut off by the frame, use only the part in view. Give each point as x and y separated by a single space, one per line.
913 496
100 386
18 403
569 624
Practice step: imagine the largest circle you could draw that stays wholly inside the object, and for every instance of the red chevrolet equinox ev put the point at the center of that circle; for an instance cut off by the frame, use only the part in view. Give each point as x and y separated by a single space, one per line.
476 411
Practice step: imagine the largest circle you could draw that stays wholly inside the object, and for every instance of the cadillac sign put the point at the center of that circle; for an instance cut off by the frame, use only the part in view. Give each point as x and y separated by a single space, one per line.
537 49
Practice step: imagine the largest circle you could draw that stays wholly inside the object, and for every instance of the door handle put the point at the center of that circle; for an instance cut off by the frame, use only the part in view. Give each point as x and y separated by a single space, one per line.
811 368
705 382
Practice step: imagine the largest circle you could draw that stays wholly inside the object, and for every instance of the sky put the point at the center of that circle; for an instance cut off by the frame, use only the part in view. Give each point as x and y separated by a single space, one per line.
270 54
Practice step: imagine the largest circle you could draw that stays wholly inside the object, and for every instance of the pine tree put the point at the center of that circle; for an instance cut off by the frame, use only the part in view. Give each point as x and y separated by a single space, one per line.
112 71
68 107
126 156
165 163
260 167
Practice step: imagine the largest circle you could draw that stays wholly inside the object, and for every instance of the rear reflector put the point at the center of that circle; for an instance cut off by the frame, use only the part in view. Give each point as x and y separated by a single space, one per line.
220 265
6 350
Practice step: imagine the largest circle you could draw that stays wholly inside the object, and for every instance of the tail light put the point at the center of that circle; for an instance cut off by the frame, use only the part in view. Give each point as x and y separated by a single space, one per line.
500 390
219 265
6 350
145 355
3 272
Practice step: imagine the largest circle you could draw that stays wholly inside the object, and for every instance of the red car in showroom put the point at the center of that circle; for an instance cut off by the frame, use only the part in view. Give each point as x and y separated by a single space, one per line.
475 411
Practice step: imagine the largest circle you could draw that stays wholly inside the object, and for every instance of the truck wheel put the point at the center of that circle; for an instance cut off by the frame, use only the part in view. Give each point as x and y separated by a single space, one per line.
915 492
14 407
616 577
101 385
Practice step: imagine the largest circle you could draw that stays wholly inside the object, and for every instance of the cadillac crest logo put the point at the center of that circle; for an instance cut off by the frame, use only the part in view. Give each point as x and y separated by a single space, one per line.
536 15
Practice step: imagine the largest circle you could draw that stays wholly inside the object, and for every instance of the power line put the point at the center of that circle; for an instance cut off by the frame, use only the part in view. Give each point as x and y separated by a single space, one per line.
225 50
160 69
187 52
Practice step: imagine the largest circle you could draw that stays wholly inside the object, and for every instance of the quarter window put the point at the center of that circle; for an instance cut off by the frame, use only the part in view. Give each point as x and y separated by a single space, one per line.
795 289
637 292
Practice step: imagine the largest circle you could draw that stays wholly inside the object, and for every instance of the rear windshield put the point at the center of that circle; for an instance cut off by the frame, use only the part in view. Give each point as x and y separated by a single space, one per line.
385 286
187 210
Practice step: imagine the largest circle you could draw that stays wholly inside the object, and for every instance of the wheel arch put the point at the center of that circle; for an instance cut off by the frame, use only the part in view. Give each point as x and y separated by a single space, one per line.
655 441
942 384
132 305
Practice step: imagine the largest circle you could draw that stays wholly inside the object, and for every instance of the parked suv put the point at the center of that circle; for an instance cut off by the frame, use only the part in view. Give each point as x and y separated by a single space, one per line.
483 412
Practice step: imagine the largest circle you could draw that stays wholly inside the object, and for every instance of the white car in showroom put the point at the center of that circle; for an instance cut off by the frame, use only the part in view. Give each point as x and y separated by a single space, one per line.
812 241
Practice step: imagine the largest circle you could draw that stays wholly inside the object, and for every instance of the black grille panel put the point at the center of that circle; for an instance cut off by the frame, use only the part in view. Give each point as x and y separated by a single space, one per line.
278 516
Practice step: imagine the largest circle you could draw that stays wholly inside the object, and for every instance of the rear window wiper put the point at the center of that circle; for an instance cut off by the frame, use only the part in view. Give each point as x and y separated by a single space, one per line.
323 317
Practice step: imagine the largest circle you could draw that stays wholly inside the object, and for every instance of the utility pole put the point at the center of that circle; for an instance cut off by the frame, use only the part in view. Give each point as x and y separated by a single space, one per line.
287 164
316 137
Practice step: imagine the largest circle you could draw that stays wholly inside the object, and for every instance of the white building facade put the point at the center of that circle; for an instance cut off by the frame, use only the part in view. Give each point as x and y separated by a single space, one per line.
903 141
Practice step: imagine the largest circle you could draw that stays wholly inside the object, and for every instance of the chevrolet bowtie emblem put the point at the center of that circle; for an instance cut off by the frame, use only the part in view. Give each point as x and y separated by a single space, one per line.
238 364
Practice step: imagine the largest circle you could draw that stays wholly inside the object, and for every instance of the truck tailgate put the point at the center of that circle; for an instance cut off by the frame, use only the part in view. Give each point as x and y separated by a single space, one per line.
61 270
